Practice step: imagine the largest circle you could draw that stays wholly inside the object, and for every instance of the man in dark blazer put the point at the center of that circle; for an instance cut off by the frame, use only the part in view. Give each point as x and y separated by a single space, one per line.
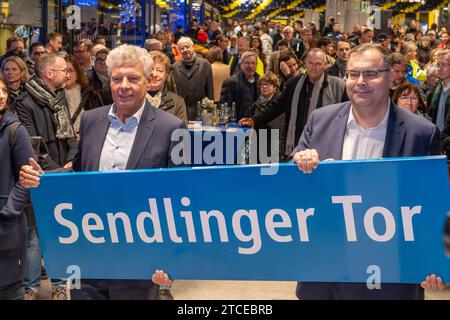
334 132
129 134
193 77
242 88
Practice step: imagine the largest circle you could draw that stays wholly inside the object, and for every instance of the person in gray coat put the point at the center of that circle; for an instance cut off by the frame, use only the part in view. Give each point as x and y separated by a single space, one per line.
193 77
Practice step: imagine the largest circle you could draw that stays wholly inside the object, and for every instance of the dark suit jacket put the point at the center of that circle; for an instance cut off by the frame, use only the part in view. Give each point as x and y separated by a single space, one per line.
407 135
446 136
38 120
333 71
151 147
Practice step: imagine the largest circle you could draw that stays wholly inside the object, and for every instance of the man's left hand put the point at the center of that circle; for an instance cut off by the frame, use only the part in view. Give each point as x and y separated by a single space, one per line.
161 278
433 283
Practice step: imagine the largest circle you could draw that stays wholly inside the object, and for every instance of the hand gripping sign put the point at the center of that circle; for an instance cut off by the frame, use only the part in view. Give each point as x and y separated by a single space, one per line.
343 221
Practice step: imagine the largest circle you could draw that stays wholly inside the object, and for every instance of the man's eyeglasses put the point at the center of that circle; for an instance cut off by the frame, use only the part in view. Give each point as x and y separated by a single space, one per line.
66 71
265 85
367 74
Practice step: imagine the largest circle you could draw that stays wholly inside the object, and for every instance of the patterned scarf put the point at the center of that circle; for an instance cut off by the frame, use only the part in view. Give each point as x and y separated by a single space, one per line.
155 100
56 102
13 94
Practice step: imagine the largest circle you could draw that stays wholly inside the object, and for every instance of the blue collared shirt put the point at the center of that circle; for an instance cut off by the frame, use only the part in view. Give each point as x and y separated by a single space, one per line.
119 140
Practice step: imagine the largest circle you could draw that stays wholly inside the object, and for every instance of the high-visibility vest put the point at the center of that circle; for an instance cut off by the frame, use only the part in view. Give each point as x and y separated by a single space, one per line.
418 73
259 66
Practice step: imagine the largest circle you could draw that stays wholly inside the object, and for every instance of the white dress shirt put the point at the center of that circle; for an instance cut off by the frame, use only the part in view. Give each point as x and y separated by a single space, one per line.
119 140
360 143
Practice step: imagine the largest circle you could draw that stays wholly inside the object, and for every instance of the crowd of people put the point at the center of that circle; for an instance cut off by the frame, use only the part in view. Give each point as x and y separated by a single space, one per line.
79 108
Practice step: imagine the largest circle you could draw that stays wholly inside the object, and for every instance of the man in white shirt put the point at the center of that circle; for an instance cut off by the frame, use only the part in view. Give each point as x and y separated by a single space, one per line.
129 134
368 126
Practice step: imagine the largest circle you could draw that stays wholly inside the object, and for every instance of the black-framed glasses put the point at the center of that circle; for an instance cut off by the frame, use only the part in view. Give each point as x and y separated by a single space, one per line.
367 74
66 71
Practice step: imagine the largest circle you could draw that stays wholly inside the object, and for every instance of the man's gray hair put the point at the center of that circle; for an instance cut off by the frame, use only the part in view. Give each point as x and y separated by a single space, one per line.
152 44
46 62
129 54
184 40
246 55
370 46
443 53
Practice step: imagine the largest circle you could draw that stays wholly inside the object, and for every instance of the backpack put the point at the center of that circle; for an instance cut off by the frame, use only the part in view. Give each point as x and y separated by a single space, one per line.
12 128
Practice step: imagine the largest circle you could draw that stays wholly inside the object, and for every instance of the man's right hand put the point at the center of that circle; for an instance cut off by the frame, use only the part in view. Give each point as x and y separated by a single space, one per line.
306 160
247 122
29 174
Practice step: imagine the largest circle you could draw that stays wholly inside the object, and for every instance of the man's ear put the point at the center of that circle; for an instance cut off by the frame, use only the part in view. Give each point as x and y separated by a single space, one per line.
49 74
391 77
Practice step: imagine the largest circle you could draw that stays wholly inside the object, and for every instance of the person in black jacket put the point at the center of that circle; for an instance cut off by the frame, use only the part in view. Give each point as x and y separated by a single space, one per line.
98 76
339 67
242 88
445 137
15 145
43 110
268 86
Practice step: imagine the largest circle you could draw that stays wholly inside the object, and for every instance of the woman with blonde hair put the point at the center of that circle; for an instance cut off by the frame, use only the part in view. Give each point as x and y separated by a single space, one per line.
15 72
158 94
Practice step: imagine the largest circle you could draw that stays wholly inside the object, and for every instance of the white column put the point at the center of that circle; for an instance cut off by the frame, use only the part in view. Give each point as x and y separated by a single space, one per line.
352 15
331 10
316 18
341 13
